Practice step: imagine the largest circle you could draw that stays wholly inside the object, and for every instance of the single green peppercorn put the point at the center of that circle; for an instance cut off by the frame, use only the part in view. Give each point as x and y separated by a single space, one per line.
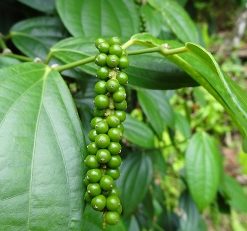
101 59
103 156
113 202
114 191
123 62
112 85
102 140
114 40
92 148
114 148
94 121
94 175
114 173
122 106
98 202
106 182
121 115
92 135
115 134
103 73
112 217
100 88
99 112
116 50
103 47
101 101
91 161
122 77
114 162
94 189
119 96
98 41
112 61
113 121
121 127
101 127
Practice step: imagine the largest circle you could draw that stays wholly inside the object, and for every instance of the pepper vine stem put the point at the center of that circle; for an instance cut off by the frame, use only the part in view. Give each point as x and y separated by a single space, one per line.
161 49
19 57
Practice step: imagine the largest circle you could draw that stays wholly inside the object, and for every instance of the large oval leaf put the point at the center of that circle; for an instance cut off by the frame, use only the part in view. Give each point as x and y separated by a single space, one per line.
35 36
99 17
41 5
40 155
136 175
202 165
148 70
138 133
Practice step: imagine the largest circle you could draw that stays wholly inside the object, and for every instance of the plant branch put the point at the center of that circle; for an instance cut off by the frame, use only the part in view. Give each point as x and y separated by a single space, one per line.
19 57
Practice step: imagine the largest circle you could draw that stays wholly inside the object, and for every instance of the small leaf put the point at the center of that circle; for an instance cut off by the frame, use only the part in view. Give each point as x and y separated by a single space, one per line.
41 151
41 5
99 18
157 109
136 175
234 194
35 36
202 165
177 19
138 133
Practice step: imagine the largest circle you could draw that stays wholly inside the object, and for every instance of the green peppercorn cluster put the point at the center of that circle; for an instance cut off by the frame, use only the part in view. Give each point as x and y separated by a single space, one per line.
103 159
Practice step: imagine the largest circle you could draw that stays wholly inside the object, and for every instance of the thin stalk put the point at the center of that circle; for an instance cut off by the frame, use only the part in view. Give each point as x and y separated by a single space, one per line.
19 57
143 51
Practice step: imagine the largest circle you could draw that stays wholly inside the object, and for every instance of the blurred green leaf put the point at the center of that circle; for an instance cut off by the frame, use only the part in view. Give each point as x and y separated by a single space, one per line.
7 61
41 151
133 224
203 166
46 6
182 127
138 133
136 175
34 36
177 19
157 109
99 18
234 194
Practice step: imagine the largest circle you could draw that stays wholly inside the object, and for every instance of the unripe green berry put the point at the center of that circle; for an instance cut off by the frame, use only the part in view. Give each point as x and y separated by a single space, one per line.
122 77
112 85
93 189
102 140
92 135
121 115
100 59
101 101
100 88
114 173
99 112
114 162
91 161
92 148
98 41
113 202
121 127
114 148
115 134
123 62
114 40
94 121
119 96
113 121
112 217
122 106
103 73
103 47
116 50
103 156
98 202
106 182
94 175
112 61
114 191
101 127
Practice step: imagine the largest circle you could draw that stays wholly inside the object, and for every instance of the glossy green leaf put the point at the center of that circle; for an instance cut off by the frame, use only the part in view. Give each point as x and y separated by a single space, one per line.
41 151
41 5
148 70
7 61
138 133
157 109
136 175
234 194
177 19
202 165
99 17
35 36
